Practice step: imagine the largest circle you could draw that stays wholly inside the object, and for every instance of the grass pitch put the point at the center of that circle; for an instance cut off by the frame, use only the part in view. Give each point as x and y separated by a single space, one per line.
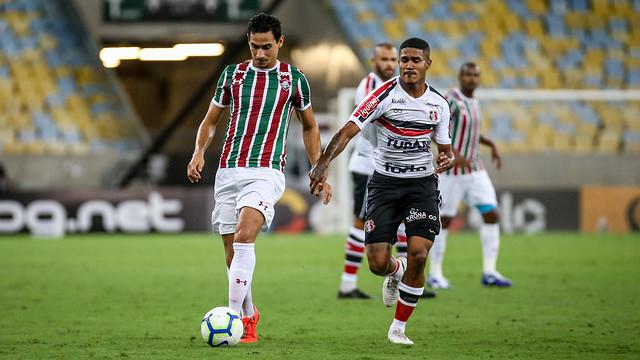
142 297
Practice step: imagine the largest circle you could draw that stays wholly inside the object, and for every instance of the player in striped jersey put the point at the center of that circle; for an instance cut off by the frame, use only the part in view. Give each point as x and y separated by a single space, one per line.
468 181
261 94
384 63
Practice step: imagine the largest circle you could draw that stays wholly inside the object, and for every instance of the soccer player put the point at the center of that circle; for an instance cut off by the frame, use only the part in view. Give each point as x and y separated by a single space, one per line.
260 94
405 112
361 165
468 180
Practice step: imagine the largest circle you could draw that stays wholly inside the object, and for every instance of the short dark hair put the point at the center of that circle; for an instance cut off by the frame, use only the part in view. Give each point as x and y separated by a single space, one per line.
416 43
262 23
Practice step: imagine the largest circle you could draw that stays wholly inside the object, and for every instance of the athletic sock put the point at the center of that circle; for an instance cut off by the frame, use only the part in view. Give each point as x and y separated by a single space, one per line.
406 303
241 274
490 238
401 243
436 255
398 271
247 304
353 253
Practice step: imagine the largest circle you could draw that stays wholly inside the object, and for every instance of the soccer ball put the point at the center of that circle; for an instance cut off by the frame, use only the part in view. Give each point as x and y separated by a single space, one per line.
221 326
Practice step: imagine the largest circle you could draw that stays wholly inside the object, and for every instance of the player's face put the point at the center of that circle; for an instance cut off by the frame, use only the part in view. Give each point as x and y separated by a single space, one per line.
385 62
413 65
469 78
264 49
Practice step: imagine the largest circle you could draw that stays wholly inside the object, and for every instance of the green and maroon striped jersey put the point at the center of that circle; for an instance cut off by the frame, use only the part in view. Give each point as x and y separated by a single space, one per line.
465 130
260 104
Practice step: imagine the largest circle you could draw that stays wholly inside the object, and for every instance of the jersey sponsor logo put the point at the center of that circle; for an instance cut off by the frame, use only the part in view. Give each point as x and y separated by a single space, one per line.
398 101
366 108
243 282
409 146
263 205
402 169
285 80
369 226
238 77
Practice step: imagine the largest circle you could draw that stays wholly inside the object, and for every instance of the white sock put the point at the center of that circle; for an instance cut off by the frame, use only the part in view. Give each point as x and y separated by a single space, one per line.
247 305
490 238
354 252
398 324
436 255
397 274
241 274
348 282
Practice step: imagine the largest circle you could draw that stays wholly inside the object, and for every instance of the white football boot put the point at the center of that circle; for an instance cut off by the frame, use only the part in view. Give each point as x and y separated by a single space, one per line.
396 336
390 291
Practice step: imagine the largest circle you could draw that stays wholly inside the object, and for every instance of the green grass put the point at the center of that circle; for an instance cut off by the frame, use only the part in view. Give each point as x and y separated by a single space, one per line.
141 297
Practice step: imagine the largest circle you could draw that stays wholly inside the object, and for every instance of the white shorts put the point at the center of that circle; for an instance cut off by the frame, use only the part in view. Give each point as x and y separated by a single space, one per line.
475 189
235 188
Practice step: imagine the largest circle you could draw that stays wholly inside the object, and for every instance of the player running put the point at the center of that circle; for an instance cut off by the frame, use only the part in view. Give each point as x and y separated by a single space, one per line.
405 112
261 95
468 181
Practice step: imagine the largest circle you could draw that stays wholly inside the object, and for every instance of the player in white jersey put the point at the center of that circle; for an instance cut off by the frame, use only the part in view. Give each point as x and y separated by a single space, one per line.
468 181
406 113
384 63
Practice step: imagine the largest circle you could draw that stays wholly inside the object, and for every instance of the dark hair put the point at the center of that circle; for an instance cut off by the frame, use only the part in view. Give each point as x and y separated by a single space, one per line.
262 23
415 43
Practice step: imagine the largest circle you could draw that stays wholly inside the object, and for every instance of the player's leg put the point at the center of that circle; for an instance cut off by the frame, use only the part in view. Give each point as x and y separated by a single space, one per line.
354 246
483 196
382 221
422 219
451 194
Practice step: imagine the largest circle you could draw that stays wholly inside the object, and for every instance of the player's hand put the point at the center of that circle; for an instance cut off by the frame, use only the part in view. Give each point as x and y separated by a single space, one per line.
318 177
194 169
327 193
495 157
444 162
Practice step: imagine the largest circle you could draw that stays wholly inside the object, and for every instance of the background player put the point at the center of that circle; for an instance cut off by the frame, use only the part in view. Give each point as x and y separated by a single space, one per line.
405 111
250 179
468 181
384 63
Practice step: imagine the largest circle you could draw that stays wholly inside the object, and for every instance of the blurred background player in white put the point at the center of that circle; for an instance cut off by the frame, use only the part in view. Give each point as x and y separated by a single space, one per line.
384 63
250 177
406 113
468 181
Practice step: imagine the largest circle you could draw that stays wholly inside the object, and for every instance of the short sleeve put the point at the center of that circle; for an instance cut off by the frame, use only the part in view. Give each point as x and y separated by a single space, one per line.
367 111
222 96
302 98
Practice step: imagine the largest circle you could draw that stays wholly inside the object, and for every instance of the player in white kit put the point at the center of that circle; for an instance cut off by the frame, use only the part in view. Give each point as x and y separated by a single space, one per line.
406 114
468 181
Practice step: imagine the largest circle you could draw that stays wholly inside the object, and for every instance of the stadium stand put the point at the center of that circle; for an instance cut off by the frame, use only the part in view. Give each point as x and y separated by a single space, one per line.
55 97
524 44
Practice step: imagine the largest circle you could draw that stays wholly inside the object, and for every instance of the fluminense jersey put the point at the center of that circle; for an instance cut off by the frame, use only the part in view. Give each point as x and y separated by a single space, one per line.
261 102
404 126
361 160
465 124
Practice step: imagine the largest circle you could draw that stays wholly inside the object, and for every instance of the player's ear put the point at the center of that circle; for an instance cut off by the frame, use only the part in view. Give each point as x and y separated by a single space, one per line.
428 61
280 41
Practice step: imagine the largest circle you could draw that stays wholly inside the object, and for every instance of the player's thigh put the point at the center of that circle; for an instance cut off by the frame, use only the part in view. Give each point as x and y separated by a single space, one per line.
451 194
261 190
421 210
224 217
383 213
481 192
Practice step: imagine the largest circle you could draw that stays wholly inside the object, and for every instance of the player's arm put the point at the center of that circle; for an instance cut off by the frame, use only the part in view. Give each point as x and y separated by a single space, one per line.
445 159
460 161
495 155
206 131
320 170
311 139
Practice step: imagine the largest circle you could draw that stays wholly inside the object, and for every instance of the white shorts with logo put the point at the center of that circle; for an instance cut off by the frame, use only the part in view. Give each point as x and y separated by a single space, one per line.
474 189
235 188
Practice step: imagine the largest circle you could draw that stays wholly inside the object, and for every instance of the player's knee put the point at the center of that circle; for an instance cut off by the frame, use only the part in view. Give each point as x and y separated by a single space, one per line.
445 220
244 236
418 257
491 217
377 264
